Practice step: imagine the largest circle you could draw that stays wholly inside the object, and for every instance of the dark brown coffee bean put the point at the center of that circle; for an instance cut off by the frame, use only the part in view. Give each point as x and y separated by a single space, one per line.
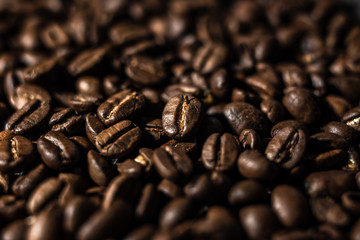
76 212
142 232
209 57
273 110
174 90
126 32
218 223
338 105
219 83
82 143
88 61
145 71
29 118
120 106
81 103
341 129
302 105
259 221
148 205
253 164
125 187
245 116
88 85
182 116
220 152
352 118
333 183
16 154
25 184
100 170
249 139
43 194
40 72
290 206
188 147
57 151
12 208
327 210
65 121
25 93
264 88
169 188
350 201
247 192
48 224
93 126
289 123
285 234
145 159
54 36
346 85
131 167
172 163
292 75
4 183
118 140
175 212
153 132
287 147
14 231
202 187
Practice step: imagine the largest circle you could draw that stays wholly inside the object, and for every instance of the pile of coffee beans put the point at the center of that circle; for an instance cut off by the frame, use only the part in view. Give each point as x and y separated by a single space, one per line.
179 120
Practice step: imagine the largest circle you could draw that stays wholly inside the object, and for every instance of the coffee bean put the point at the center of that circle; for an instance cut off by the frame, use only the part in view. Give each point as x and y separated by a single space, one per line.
100 170
176 211
4 183
247 192
289 123
120 106
144 231
65 121
130 167
345 85
12 208
16 154
145 71
188 147
153 132
273 109
172 163
148 205
14 231
180 89
264 88
352 118
253 164
220 152
290 206
93 126
25 93
292 75
88 85
169 188
118 140
219 83
245 116
182 116
29 118
57 151
287 147
338 105
259 221
40 72
81 103
125 32
209 57
302 105
249 139
341 129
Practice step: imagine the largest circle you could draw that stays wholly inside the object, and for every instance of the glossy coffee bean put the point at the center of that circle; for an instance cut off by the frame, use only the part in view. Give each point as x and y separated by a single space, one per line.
245 116
24 93
247 192
118 140
249 139
100 170
57 151
287 147
341 129
142 232
14 231
12 208
273 109
88 85
148 205
130 167
126 32
65 121
350 202
172 163
176 211
81 103
182 116
352 118
120 106
209 57
16 154
290 206
220 152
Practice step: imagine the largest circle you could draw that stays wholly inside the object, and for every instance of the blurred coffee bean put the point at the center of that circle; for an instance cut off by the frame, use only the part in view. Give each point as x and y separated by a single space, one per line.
247 192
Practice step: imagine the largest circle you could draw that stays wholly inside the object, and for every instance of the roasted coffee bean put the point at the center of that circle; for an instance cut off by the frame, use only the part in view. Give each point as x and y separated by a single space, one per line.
290 206
273 109
172 163
287 147
41 71
188 147
130 167
14 231
302 105
292 75
25 184
179 89
120 106
286 234
153 132
259 221
264 88
100 170
88 61
81 103
76 212
29 118
209 57
249 139
48 224
220 152
245 116
352 118
202 187
57 151
253 164
118 140
93 126
350 201
43 194
25 93
169 188
141 232
12 208
16 154
333 183
4 183
54 36
88 85
288 123
65 121
327 210
219 83
341 129
126 32
145 71
247 192
338 105
145 159
125 187
148 205
345 85
176 211
182 116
